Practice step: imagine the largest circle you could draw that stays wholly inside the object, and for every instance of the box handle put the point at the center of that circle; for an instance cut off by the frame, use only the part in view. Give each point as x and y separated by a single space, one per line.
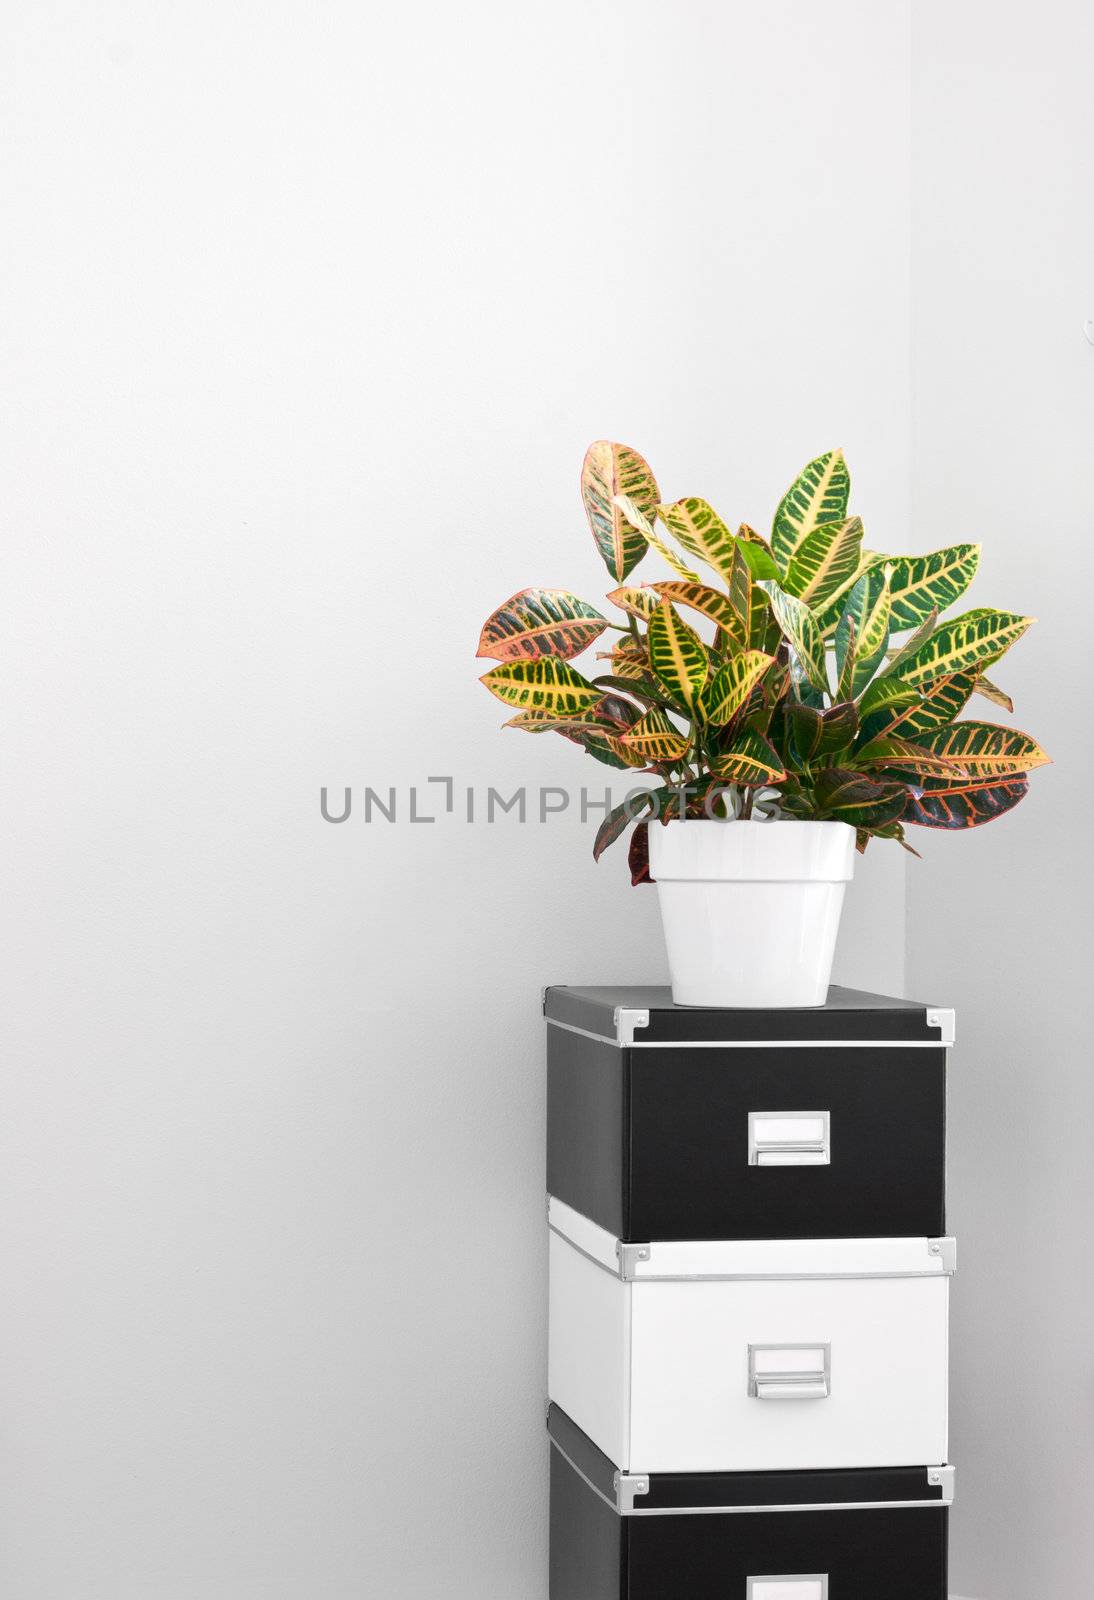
790 1371
803 1586
789 1138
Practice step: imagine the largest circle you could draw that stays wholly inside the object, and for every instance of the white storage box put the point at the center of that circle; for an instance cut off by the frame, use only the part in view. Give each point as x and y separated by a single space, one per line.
750 1356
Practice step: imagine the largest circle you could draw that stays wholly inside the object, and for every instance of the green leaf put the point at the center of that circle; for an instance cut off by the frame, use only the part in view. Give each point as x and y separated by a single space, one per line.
757 553
544 685
610 470
799 626
949 803
839 727
678 656
922 584
806 725
818 495
862 636
824 560
701 531
985 750
731 686
751 761
855 798
969 641
540 622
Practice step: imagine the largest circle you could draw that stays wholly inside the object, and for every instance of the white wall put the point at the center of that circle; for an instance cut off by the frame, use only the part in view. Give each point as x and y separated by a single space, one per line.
310 313
999 922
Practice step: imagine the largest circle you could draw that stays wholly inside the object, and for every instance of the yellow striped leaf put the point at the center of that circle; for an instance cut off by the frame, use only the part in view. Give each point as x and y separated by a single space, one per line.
863 633
824 560
629 659
731 686
708 602
818 495
893 751
540 622
975 639
610 470
985 750
920 584
992 692
799 626
701 531
637 518
640 602
677 655
654 738
543 685
750 761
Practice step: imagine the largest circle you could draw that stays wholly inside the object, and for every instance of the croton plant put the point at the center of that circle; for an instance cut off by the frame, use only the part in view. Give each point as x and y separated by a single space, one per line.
812 679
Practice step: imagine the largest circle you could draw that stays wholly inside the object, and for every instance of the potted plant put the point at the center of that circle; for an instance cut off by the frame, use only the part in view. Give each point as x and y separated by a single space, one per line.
799 680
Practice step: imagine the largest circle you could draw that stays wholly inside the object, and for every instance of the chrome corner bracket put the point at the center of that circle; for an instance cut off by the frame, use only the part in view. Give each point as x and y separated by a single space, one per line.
946 1251
943 1478
627 1486
628 1256
945 1021
627 1019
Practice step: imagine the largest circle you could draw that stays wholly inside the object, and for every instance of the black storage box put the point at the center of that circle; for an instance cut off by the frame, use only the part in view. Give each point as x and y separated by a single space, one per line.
675 1122
848 1535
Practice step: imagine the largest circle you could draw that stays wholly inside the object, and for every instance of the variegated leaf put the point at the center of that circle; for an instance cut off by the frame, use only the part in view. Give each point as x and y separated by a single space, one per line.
858 799
967 642
678 656
992 692
902 653
940 702
549 722
731 686
629 660
986 750
610 470
708 602
701 531
654 738
637 518
950 803
540 622
824 560
862 636
543 685
798 626
619 820
751 761
922 584
883 704
640 602
818 495
893 751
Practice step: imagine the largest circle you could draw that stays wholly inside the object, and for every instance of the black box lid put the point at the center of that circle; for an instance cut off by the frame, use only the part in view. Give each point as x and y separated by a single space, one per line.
646 1015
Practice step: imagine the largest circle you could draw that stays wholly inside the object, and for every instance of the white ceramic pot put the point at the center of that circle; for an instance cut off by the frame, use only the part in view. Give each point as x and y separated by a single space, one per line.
751 910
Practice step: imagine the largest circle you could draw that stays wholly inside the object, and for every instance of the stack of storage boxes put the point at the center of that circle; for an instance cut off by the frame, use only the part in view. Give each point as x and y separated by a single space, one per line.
749 1299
